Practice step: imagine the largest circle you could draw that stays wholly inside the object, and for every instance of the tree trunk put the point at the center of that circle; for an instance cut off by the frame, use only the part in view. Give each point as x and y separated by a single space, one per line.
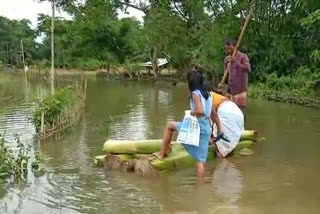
22 54
155 62
128 71
7 54
108 68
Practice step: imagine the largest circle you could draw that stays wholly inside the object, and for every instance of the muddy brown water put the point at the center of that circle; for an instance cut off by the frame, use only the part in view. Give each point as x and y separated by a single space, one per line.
280 177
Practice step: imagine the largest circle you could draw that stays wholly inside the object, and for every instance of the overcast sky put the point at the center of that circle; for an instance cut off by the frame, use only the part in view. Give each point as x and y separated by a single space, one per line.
28 9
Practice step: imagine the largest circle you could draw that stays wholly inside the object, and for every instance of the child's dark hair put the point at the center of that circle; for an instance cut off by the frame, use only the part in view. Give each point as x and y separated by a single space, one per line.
195 81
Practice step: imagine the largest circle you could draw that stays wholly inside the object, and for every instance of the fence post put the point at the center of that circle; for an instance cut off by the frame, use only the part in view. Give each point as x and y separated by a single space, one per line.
42 122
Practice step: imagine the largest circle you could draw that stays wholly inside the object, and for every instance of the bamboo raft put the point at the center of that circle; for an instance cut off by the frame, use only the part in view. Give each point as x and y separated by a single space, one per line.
136 156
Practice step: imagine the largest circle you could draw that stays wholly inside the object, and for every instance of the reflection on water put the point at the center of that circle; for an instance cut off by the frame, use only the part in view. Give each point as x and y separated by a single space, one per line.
227 182
131 124
280 177
16 120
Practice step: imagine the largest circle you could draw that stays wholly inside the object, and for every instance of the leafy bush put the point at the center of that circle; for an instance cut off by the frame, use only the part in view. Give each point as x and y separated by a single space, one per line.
133 67
53 106
13 162
302 86
88 64
45 63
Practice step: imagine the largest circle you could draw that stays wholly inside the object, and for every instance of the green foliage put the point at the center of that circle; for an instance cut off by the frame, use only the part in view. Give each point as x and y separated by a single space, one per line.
133 67
12 32
45 63
88 64
315 56
281 37
53 106
14 163
67 5
303 87
311 19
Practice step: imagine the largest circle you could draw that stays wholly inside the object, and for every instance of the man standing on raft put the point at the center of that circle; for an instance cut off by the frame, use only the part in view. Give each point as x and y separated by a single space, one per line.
238 75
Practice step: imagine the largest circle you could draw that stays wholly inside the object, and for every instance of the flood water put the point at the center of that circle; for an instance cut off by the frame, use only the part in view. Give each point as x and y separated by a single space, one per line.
281 177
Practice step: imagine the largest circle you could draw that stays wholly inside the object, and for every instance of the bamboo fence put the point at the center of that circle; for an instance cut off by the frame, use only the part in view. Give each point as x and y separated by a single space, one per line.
69 117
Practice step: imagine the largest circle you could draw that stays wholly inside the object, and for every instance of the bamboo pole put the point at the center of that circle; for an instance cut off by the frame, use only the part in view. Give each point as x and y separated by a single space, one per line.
7 53
52 47
85 92
42 122
24 63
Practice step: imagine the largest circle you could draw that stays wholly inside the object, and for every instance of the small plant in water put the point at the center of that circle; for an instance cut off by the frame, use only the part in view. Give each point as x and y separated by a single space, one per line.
20 166
103 126
15 163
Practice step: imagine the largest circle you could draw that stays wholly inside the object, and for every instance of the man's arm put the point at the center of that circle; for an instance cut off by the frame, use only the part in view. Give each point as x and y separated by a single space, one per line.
245 63
215 119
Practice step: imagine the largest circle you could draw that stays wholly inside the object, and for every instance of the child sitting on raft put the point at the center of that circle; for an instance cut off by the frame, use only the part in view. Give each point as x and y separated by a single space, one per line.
201 107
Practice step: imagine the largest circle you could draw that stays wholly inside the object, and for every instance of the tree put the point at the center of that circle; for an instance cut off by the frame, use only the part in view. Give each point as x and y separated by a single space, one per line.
12 32
281 37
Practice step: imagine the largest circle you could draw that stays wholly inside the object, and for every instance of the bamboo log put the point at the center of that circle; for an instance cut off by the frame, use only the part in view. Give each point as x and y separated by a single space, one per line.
149 165
246 152
98 160
249 135
181 158
127 157
132 147
150 146
178 159
243 144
